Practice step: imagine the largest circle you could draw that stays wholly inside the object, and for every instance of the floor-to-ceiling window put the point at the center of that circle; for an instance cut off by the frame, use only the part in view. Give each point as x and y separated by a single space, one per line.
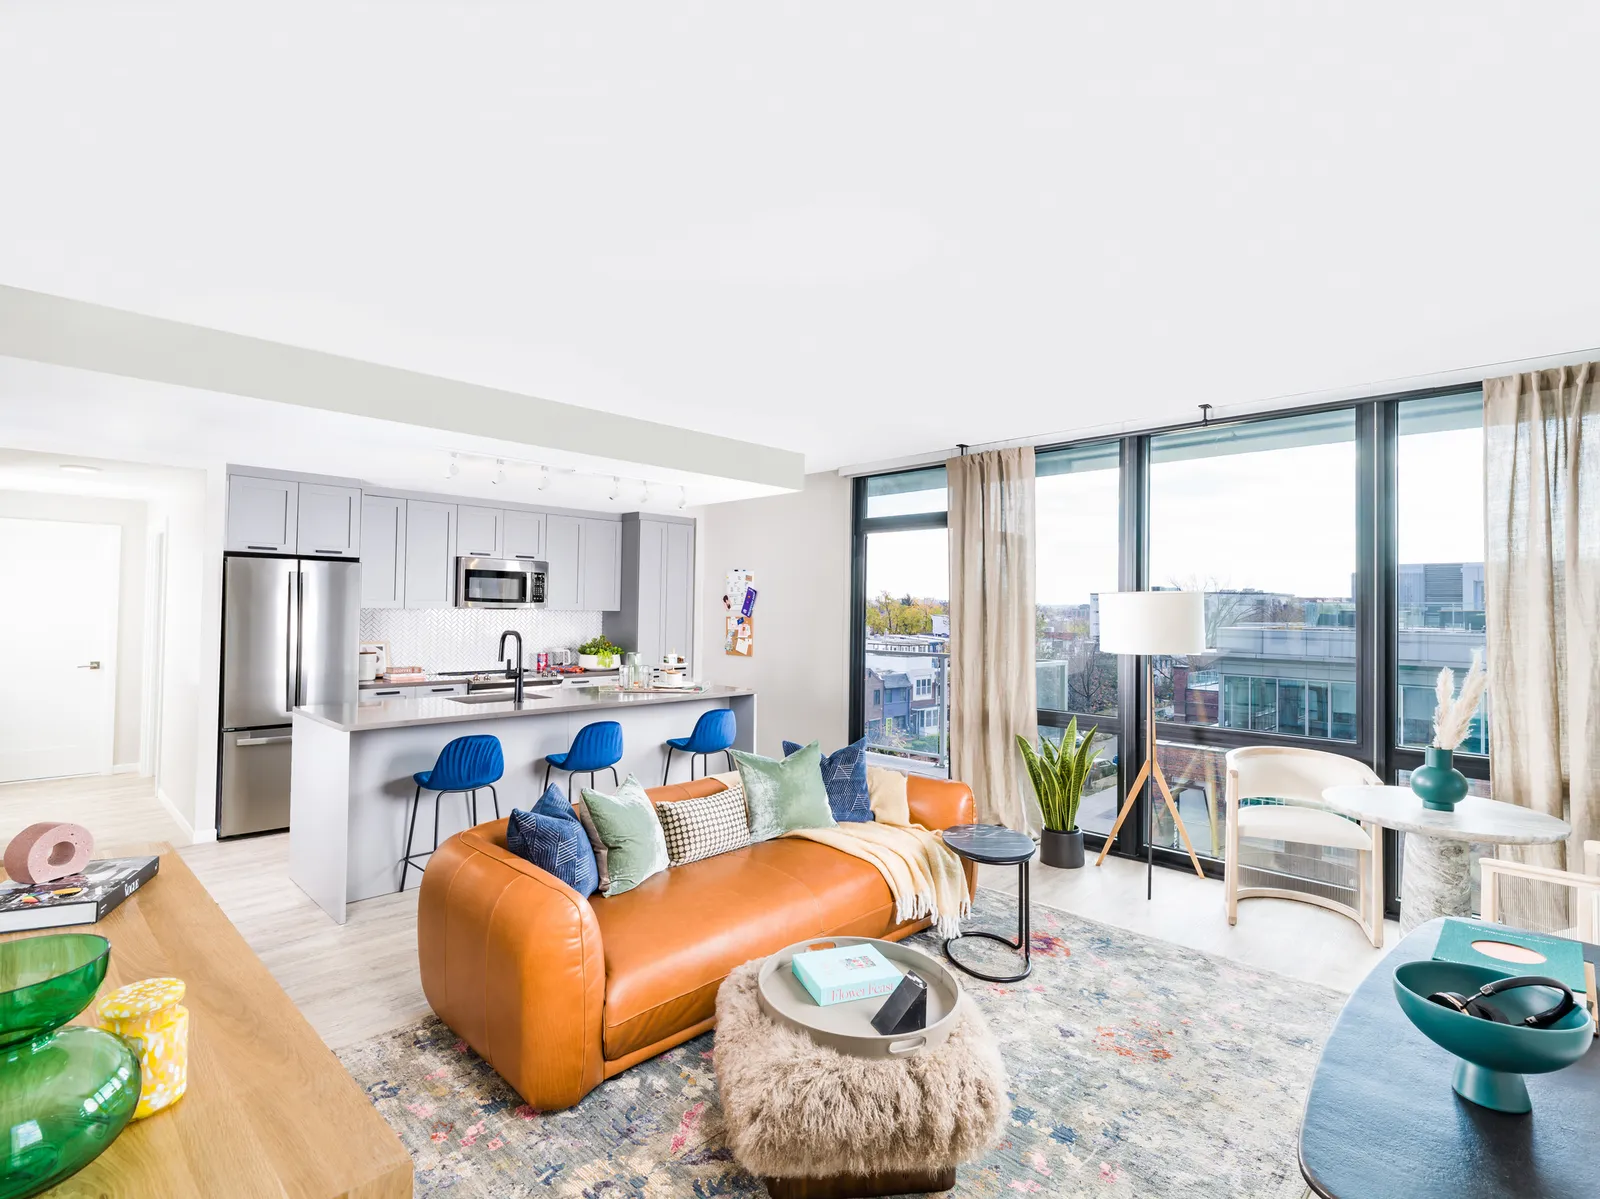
903 573
1077 499
1340 551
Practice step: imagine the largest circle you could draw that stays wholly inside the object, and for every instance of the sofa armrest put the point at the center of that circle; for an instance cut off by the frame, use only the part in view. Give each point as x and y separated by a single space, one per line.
938 803
511 960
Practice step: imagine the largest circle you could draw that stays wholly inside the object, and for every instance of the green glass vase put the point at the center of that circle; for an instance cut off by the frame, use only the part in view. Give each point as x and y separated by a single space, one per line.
65 1094
1437 783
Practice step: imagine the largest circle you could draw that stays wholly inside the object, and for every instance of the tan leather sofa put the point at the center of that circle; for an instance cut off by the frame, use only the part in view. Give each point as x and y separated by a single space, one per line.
559 992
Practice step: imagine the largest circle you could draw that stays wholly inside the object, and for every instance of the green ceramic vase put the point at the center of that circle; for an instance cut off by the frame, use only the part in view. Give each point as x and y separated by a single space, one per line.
1437 783
65 1094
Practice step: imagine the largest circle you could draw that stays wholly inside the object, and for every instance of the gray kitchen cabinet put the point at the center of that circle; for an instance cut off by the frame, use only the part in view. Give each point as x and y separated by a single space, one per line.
262 514
329 521
677 601
430 565
563 583
478 532
383 552
600 565
656 611
523 535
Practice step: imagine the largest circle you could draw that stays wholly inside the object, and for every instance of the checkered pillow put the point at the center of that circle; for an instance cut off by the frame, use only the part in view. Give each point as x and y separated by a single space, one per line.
704 827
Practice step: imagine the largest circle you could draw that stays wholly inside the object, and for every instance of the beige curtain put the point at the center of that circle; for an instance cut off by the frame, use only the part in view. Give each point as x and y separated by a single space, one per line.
1542 594
992 628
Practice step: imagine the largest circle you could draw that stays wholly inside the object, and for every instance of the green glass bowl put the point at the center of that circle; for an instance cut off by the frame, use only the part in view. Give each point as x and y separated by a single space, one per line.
65 1094
1494 1057
46 981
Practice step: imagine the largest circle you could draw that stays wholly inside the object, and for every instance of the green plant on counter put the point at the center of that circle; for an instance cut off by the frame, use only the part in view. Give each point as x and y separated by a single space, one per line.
600 648
1058 774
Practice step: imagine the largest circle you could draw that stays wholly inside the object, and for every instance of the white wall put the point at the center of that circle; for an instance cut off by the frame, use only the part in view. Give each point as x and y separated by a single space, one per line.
798 546
130 516
187 757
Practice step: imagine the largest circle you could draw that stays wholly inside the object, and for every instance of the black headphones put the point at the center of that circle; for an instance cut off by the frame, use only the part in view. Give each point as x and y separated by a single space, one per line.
1476 1004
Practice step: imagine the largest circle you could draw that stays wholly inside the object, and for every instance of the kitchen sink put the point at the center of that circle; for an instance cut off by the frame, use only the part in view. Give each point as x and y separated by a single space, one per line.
491 697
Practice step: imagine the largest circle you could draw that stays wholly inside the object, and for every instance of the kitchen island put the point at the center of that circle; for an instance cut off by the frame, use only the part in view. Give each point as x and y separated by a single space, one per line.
350 784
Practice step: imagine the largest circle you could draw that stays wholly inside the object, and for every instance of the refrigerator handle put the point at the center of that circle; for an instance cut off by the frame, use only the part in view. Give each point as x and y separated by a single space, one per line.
299 611
288 651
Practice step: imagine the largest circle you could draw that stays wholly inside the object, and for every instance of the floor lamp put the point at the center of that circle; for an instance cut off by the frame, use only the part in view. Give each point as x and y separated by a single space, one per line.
1147 623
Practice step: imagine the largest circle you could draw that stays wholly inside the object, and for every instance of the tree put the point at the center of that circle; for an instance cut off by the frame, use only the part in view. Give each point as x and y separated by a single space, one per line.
886 614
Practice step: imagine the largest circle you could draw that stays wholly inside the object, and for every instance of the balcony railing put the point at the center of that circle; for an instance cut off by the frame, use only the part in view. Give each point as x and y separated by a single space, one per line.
890 739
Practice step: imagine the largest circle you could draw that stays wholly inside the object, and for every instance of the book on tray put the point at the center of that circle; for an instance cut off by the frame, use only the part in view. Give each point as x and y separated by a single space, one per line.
82 898
844 973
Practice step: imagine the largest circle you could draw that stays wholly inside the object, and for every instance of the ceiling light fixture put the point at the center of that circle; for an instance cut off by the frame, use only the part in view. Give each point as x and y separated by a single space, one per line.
79 468
644 494
683 497
616 488
499 472
544 477
453 469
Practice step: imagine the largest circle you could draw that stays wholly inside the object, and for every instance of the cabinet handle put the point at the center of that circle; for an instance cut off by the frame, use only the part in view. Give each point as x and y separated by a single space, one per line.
396 691
264 740
441 688
528 557
271 549
327 551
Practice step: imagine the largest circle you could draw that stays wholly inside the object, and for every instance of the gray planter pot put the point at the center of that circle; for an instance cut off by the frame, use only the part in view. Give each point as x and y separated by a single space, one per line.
1063 850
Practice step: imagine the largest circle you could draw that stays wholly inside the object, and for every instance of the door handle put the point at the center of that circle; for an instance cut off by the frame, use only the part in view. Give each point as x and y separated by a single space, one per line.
265 740
95 665
288 649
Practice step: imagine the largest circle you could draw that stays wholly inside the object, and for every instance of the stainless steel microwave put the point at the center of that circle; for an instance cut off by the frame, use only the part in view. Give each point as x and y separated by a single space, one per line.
499 583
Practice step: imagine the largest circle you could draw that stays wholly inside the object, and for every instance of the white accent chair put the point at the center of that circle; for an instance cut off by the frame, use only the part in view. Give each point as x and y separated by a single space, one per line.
1298 777
1585 901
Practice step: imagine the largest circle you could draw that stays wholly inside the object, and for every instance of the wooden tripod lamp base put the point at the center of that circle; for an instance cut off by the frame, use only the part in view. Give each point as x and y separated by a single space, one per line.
1149 623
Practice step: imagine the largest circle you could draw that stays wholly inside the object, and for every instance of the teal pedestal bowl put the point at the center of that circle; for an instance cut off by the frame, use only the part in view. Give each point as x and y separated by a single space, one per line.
65 1093
1494 1057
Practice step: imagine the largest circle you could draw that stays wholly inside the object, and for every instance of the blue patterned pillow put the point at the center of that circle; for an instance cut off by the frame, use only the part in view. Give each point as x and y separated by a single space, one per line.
844 774
555 843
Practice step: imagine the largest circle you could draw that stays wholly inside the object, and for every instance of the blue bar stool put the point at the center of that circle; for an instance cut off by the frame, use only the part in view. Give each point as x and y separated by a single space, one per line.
464 765
597 746
714 733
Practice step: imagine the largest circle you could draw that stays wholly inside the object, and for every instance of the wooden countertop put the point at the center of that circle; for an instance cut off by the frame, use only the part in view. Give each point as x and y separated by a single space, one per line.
269 1111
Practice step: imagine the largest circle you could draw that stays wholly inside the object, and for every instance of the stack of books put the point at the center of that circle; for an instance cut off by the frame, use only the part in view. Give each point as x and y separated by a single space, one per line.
405 674
82 898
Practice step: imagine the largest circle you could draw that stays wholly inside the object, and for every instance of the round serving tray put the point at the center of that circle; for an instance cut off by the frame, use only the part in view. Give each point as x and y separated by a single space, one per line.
847 1027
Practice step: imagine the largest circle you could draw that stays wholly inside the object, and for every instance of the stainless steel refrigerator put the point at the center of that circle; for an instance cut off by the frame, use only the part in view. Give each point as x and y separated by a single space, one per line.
289 637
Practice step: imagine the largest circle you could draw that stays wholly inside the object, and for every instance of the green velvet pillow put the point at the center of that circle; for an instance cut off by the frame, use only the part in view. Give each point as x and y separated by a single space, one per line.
785 794
636 848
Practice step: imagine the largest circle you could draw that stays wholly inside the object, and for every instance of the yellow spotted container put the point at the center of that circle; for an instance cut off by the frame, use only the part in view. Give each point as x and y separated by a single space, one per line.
151 1018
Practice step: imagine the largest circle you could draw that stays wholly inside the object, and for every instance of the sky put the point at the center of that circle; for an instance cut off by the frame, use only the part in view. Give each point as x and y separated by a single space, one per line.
1279 520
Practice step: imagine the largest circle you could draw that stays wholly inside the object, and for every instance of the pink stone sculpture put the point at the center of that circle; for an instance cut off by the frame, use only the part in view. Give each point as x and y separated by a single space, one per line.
44 852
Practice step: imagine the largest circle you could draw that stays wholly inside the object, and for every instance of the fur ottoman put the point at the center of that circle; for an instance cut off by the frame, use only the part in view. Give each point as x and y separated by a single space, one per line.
795 1110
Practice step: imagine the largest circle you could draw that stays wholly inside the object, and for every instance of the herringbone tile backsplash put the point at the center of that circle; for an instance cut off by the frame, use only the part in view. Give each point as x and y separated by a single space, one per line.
466 638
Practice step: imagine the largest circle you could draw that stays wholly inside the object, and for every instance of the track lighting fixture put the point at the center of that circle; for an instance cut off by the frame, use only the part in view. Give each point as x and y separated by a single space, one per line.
453 469
616 488
499 475
544 477
644 493
683 497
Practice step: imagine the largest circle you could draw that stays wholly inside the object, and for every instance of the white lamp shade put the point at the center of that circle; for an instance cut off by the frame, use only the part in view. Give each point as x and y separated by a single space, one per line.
1152 622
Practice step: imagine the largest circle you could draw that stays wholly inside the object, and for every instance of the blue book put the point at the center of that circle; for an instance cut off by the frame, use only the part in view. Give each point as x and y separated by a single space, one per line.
1511 951
844 973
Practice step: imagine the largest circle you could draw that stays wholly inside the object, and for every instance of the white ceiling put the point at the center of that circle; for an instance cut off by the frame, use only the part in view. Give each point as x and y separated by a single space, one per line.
857 231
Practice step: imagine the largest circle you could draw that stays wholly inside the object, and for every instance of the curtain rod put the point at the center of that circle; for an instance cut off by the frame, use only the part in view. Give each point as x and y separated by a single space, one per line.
1464 377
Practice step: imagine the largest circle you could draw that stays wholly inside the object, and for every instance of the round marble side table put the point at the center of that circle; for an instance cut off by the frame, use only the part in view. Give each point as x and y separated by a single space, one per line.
1438 869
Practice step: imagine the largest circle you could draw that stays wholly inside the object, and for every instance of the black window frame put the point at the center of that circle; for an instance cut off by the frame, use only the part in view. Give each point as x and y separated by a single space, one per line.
1377 619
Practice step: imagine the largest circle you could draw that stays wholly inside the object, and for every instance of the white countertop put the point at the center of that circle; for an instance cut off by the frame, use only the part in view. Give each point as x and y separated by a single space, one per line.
369 715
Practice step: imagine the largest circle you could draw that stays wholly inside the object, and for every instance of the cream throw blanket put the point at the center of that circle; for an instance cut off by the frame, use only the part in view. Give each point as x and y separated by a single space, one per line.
924 877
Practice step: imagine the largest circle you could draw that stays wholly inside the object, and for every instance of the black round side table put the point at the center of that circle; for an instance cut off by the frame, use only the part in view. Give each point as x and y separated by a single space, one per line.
996 845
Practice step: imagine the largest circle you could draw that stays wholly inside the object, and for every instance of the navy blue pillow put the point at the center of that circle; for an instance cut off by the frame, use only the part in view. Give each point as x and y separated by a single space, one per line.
550 837
844 774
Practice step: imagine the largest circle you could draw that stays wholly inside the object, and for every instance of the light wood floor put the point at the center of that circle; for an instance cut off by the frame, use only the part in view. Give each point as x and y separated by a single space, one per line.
357 980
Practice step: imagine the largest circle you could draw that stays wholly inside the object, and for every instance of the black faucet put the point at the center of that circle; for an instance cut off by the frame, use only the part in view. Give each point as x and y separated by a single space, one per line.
516 693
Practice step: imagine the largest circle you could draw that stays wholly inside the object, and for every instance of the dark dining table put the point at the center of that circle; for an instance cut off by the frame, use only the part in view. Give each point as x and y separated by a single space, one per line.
1382 1121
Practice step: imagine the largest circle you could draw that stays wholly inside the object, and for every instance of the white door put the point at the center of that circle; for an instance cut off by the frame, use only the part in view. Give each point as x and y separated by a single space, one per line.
58 626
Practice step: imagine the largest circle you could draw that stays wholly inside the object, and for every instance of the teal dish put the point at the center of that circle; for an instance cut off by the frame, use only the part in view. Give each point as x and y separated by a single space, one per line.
1493 1057
1437 783
65 1094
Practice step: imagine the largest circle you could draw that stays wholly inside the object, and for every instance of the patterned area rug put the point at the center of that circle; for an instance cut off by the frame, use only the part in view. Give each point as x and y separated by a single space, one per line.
1137 1067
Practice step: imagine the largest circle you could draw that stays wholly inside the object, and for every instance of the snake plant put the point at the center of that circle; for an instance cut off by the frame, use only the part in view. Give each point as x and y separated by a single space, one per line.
1058 774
